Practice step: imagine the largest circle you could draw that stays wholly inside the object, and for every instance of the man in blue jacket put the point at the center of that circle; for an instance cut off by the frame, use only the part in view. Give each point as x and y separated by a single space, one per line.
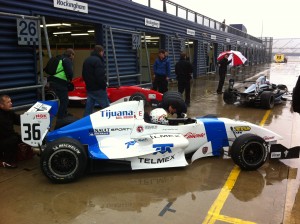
162 72
94 75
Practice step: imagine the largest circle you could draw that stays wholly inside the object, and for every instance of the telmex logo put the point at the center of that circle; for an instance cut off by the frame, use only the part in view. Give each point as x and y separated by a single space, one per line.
41 116
242 128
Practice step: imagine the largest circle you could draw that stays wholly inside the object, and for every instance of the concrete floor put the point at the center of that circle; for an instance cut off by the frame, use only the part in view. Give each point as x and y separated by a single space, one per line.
211 190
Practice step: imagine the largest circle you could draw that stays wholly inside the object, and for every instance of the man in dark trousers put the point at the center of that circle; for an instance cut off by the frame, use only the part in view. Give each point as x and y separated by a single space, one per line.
94 75
223 63
183 71
162 72
9 139
60 81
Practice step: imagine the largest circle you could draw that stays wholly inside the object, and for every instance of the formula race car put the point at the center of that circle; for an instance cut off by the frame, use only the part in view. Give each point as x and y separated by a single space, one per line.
115 94
261 94
118 137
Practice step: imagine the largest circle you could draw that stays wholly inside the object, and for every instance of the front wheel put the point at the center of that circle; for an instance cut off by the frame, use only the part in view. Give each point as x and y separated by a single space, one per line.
249 151
229 97
267 100
63 160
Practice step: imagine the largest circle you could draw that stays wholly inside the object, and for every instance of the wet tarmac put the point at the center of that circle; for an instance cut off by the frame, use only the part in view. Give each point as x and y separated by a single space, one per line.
211 190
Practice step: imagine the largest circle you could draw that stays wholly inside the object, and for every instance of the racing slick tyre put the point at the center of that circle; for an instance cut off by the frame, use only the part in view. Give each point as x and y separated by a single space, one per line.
229 97
50 95
249 151
267 100
64 160
137 97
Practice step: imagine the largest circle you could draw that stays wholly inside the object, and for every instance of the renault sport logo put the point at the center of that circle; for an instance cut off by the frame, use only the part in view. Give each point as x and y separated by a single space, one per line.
163 148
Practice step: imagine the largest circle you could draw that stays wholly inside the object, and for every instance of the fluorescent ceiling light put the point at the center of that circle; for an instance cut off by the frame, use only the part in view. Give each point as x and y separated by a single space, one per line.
79 34
150 38
57 24
66 32
91 31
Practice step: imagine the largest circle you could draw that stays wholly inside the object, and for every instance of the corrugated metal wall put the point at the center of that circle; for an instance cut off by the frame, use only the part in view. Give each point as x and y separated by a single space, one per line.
18 64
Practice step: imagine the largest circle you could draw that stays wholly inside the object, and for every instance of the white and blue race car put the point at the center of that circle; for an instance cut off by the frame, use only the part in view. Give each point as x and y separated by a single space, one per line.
118 137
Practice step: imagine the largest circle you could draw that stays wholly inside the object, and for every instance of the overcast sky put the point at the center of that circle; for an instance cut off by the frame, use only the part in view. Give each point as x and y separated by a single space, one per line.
278 19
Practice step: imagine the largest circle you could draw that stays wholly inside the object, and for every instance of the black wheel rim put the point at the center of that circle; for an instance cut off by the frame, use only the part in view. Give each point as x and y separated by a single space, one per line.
137 98
63 162
254 153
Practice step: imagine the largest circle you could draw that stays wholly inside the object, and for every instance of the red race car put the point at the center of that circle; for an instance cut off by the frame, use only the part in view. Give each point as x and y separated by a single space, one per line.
116 94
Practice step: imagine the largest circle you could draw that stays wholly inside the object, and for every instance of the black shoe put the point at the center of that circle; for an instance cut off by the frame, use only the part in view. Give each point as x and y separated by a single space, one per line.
218 92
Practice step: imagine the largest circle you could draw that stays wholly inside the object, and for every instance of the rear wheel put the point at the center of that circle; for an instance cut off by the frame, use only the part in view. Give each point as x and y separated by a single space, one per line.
267 100
63 160
249 151
50 95
229 97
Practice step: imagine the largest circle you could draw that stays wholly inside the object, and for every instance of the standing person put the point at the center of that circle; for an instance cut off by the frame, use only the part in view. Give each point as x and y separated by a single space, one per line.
9 139
162 72
222 72
223 25
296 97
94 75
210 58
183 71
60 81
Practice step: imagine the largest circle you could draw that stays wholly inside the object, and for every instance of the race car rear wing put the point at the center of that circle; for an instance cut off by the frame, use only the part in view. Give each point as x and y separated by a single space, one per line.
36 122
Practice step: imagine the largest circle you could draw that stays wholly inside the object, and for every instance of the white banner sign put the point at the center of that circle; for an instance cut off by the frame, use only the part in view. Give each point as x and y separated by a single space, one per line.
71 5
151 22
190 32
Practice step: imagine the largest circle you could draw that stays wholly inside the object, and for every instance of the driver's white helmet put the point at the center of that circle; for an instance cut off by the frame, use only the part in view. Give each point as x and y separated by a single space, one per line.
159 116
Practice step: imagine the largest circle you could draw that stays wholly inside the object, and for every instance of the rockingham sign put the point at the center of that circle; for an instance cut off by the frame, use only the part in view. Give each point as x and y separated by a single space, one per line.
71 5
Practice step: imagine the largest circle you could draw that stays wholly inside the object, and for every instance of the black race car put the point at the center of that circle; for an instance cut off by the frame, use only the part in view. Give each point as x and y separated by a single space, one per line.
261 94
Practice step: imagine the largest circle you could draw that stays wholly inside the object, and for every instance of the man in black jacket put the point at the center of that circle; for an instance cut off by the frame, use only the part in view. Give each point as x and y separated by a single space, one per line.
222 72
94 75
60 81
173 103
9 139
183 71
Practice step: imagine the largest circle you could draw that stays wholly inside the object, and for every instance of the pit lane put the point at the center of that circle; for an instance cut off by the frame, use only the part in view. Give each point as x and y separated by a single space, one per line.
211 190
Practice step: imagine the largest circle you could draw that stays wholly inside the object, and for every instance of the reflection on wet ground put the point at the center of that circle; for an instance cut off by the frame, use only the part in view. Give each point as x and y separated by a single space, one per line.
181 195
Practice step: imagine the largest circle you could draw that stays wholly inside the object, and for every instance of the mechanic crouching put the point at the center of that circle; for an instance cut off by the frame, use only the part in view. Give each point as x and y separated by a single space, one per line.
9 139
172 103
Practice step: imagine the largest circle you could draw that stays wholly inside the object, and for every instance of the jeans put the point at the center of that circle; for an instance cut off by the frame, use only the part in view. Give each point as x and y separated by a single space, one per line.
97 96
